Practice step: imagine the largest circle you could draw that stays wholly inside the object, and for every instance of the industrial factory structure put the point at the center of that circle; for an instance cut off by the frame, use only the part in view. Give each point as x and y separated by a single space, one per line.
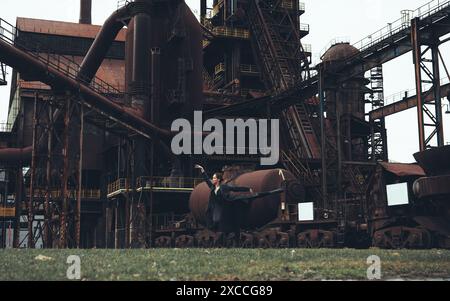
85 157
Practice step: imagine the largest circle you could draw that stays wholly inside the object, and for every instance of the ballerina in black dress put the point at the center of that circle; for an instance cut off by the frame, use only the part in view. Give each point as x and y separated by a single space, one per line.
224 211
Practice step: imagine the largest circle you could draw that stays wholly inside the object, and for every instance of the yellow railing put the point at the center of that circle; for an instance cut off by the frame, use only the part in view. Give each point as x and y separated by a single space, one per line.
168 182
249 69
231 32
216 9
57 193
290 4
206 43
219 68
119 184
7 212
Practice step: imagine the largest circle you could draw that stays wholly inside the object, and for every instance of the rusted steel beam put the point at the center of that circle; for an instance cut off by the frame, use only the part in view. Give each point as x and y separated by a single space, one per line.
26 63
65 177
80 178
417 53
405 104
116 224
102 43
15 155
18 205
437 94
32 176
47 217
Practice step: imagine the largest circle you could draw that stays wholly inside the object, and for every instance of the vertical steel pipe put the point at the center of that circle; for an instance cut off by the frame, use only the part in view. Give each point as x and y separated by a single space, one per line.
65 177
47 217
417 53
80 179
32 176
85 11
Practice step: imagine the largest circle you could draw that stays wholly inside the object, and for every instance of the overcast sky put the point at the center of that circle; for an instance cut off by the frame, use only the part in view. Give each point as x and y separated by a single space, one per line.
328 19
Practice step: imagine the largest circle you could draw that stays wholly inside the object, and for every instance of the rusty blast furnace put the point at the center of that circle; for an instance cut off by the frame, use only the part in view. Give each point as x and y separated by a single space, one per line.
85 158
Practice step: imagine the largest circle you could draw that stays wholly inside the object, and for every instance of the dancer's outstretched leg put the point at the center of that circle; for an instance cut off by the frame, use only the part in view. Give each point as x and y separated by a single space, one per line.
246 198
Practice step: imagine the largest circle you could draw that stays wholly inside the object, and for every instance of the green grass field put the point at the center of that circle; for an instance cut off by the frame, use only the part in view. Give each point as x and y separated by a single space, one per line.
223 264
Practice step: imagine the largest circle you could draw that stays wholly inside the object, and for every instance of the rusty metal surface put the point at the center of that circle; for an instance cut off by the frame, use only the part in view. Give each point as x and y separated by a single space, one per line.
103 40
261 211
181 59
111 71
85 11
339 52
16 155
23 61
432 186
435 161
62 28
403 170
402 237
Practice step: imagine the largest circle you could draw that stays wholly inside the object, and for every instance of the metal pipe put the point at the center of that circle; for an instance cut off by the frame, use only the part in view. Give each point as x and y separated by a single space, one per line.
24 62
102 42
32 177
85 11
16 155
80 178
141 62
18 206
322 136
65 178
47 217
155 85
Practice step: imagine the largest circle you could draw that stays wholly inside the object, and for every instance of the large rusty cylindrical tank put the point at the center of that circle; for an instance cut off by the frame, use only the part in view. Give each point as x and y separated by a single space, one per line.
260 211
176 32
350 94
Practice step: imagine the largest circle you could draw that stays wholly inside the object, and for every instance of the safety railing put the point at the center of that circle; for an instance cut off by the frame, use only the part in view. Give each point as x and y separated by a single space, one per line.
118 185
7 211
304 27
402 23
205 43
219 68
69 67
5 127
245 68
335 41
290 4
216 9
57 193
167 183
399 96
122 3
231 32
307 48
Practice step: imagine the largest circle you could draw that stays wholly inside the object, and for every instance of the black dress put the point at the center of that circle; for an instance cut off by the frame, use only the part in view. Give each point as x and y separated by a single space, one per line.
226 211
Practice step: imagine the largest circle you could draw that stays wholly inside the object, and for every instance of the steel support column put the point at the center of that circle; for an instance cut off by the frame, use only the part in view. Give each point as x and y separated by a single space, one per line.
80 178
65 176
47 215
322 137
32 176
434 119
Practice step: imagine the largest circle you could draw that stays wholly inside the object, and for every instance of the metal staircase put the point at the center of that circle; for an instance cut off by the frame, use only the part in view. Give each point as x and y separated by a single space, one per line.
276 42
377 141
66 65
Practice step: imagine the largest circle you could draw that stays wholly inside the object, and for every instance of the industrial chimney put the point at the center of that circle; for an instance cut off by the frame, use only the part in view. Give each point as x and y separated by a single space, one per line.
85 11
